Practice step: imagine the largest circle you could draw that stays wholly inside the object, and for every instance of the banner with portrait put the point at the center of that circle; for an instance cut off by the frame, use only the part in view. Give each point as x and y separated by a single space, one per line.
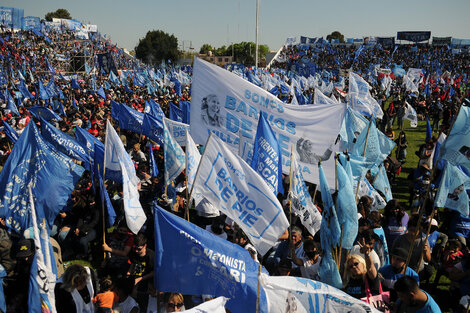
229 106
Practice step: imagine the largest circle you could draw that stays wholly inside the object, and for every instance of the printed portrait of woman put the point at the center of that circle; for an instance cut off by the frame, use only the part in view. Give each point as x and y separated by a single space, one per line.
210 111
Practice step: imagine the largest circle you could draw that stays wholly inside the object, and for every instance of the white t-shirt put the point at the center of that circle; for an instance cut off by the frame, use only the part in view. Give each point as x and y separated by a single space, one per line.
375 258
125 306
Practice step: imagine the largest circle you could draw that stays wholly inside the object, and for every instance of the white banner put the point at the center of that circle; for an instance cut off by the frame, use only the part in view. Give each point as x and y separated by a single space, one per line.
231 185
216 305
178 130
193 157
299 295
225 104
302 203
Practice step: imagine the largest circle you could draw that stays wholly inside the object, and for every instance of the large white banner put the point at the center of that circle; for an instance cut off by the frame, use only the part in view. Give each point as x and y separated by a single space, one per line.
300 295
231 185
227 105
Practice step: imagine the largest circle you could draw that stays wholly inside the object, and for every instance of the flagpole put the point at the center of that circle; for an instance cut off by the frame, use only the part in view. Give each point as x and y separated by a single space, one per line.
258 290
199 166
102 212
257 33
421 211
186 177
290 198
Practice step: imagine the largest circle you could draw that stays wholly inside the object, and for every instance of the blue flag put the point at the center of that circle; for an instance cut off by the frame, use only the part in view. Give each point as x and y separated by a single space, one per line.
203 264
107 203
95 150
382 184
456 148
152 163
43 92
346 208
175 113
74 104
378 145
74 84
452 190
51 174
130 119
101 93
11 104
65 144
44 113
10 132
185 107
330 230
152 127
329 273
153 108
267 157
428 130
115 108
24 90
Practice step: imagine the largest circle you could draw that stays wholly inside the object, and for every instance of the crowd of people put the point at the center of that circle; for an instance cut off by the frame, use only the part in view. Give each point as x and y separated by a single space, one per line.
118 275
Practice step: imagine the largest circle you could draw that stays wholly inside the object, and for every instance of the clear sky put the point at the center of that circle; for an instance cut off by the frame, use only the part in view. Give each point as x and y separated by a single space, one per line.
220 22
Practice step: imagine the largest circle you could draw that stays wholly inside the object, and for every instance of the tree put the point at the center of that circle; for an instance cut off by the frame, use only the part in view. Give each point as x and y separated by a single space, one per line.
205 48
244 52
60 13
157 46
336 35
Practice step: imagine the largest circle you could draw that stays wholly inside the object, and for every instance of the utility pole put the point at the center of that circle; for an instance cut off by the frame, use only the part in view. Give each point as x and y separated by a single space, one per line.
257 23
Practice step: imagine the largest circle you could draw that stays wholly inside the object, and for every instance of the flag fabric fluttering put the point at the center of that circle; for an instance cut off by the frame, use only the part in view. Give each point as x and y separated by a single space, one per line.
230 184
300 295
10 132
216 305
173 154
346 208
452 192
456 148
301 200
118 160
193 157
52 176
42 279
152 164
267 157
382 184
203 264
410 114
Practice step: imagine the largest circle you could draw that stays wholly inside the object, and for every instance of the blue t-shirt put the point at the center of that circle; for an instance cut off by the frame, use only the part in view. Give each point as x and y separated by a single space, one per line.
390 277
460 225
429 307
432 239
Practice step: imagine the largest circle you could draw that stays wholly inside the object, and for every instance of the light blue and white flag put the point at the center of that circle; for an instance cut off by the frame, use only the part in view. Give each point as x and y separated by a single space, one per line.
231 185
329 272
174 155
366 189
382 184
300 295
152 164
452 190
267 157
352 126
378 145
178 131
193 157
320 98
42 278
456 148
330 230
302 203
346 208
203 264
118 160
216 305
410 114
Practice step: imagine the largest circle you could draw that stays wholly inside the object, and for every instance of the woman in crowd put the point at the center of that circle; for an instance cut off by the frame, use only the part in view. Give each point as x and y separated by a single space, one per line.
395 221
76 291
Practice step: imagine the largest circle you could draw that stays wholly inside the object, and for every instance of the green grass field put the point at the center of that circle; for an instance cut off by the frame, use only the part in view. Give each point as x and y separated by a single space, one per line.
400 190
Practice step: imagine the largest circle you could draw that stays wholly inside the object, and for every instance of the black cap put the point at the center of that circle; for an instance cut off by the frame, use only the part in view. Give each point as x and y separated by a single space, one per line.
400 253
25 248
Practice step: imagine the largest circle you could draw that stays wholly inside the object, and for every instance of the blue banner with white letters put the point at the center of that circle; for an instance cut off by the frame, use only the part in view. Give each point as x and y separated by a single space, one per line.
203 264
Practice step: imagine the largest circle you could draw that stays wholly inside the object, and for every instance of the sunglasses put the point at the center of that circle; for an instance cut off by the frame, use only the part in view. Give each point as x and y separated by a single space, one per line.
138 248
175 305
354 264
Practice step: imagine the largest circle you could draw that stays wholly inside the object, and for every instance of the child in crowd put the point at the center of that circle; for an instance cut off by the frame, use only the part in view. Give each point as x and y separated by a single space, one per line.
105 300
